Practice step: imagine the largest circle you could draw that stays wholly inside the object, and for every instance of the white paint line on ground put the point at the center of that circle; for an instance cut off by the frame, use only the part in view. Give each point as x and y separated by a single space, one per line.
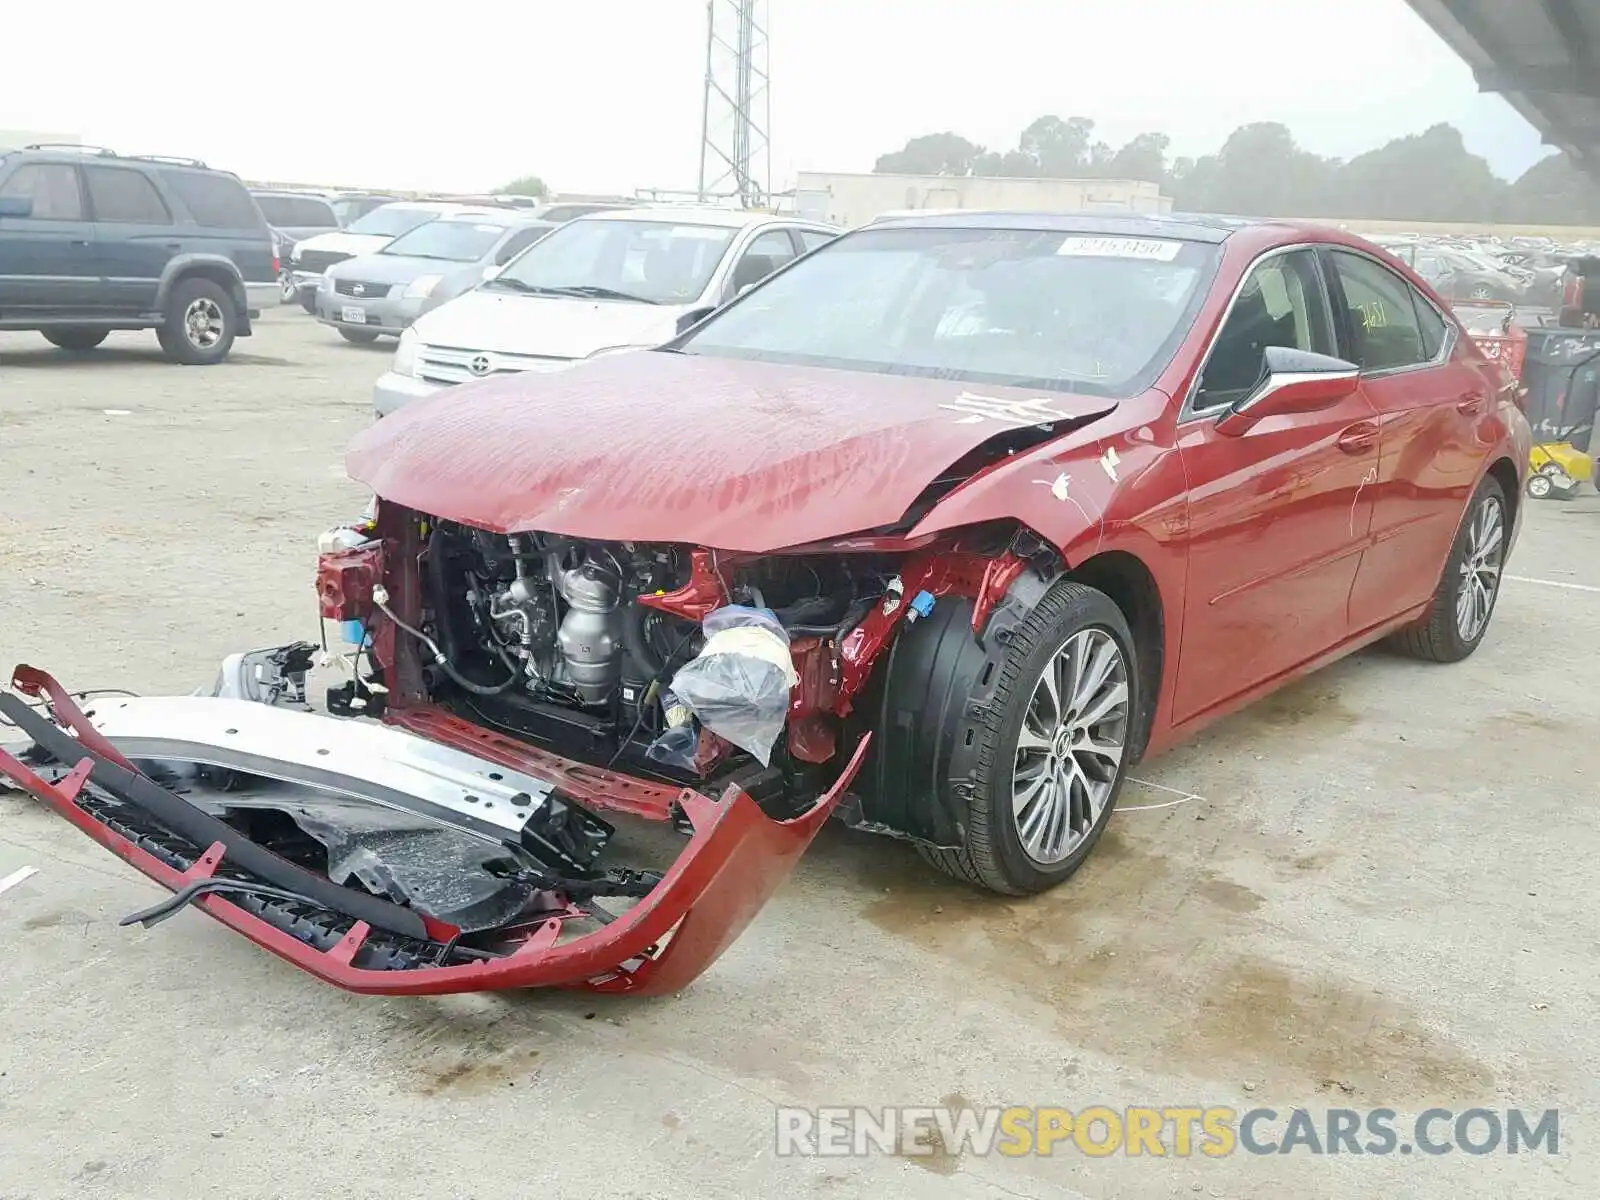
1184 797
1555 583
21 875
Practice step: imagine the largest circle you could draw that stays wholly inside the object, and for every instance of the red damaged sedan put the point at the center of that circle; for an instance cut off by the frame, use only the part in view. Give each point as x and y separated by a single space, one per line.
935 531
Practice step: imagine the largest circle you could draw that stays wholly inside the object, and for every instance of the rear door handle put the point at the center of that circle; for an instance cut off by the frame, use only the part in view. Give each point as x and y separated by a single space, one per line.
1359 438
1470 402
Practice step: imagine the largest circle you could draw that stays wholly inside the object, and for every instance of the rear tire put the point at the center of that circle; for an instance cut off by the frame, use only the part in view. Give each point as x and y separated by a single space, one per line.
75 337
201 323
358 337
1048 771
1463 604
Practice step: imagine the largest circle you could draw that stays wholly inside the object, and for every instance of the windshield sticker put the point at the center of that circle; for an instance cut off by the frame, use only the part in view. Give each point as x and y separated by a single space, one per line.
976 409
1144 249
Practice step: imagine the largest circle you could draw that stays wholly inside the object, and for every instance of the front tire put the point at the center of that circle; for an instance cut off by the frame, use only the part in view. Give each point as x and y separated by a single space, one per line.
358 337
1054 746
1464 601
201 323
77 338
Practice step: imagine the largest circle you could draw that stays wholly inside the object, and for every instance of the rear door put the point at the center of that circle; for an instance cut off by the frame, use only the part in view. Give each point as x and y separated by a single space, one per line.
135 236
47 263
1278 515
1430 399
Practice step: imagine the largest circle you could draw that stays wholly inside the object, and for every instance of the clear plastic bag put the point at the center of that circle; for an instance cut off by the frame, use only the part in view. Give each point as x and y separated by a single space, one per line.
738 685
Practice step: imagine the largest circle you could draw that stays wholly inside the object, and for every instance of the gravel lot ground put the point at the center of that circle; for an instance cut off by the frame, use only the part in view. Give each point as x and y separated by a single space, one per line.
1383 897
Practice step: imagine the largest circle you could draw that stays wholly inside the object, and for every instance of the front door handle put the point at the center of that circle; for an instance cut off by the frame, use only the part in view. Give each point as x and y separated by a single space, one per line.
1359 438
80 242
1470 402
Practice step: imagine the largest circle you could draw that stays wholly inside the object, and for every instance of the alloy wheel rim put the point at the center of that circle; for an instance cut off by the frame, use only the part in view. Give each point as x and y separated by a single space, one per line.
202 323
1071 746
1480 569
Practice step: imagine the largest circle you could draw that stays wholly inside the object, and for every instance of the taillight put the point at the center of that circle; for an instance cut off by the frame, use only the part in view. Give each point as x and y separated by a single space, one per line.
277 264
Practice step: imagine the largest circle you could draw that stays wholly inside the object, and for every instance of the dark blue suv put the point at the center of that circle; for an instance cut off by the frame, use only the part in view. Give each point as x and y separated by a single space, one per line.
92 241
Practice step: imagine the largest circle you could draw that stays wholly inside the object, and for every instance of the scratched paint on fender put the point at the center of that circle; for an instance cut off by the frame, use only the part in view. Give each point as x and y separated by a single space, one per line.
668 447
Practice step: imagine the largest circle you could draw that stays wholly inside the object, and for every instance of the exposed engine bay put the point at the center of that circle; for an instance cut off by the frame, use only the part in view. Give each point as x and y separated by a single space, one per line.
580 642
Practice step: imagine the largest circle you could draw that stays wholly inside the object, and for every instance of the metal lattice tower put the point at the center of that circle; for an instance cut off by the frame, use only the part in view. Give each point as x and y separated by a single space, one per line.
735 162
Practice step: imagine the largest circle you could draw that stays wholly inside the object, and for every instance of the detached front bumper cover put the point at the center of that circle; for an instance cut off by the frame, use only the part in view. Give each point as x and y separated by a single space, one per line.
735 859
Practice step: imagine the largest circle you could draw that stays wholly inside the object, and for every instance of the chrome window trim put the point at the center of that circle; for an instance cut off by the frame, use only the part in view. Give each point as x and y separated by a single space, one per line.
1188 412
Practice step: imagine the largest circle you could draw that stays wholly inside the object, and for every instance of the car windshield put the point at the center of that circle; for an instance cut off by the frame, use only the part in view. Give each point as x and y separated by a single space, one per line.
1061 311
391 220
651 262
291 212
452 241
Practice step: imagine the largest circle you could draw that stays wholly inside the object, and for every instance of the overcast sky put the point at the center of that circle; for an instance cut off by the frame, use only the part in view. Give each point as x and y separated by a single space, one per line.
606 95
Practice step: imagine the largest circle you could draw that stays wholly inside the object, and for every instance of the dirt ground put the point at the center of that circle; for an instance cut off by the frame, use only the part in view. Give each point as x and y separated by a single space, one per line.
1383 897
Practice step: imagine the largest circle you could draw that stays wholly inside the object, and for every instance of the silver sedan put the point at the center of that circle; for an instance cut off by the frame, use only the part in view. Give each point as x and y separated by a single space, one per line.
380 294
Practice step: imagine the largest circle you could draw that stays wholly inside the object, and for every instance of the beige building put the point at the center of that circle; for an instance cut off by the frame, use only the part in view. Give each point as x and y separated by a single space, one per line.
853 199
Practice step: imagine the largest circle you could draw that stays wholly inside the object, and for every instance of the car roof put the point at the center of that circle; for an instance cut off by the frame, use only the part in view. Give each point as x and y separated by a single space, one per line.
508 217
70 152
1199 227
727 218
291 193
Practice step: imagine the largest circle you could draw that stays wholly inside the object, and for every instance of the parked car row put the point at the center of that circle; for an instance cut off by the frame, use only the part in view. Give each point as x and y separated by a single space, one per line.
601 284
1529 272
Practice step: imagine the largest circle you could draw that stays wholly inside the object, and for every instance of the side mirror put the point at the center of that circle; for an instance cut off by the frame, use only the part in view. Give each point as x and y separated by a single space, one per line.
16 206
692 318
1292 381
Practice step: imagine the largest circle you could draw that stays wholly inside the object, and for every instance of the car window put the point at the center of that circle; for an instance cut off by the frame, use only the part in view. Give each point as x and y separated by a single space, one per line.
518 242
214 201
653 262
812 238
1431 266
392 220
1433 326
1281 304
1381 315
53 188
297 212
764 255
570 212
448 240
1027 308
118 194
351 208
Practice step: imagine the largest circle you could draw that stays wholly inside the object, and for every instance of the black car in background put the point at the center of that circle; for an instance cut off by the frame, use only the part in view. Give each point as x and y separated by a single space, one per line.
92 241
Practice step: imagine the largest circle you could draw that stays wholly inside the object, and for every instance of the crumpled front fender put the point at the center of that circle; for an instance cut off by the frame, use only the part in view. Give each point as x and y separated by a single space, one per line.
735 859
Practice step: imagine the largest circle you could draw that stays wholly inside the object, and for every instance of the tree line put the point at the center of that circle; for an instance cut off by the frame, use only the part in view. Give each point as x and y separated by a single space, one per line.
1261 171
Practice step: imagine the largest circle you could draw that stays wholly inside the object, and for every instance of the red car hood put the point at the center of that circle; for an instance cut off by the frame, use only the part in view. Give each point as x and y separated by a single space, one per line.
664 447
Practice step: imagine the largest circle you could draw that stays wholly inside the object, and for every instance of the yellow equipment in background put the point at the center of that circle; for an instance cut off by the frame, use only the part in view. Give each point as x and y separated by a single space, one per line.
1559 469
